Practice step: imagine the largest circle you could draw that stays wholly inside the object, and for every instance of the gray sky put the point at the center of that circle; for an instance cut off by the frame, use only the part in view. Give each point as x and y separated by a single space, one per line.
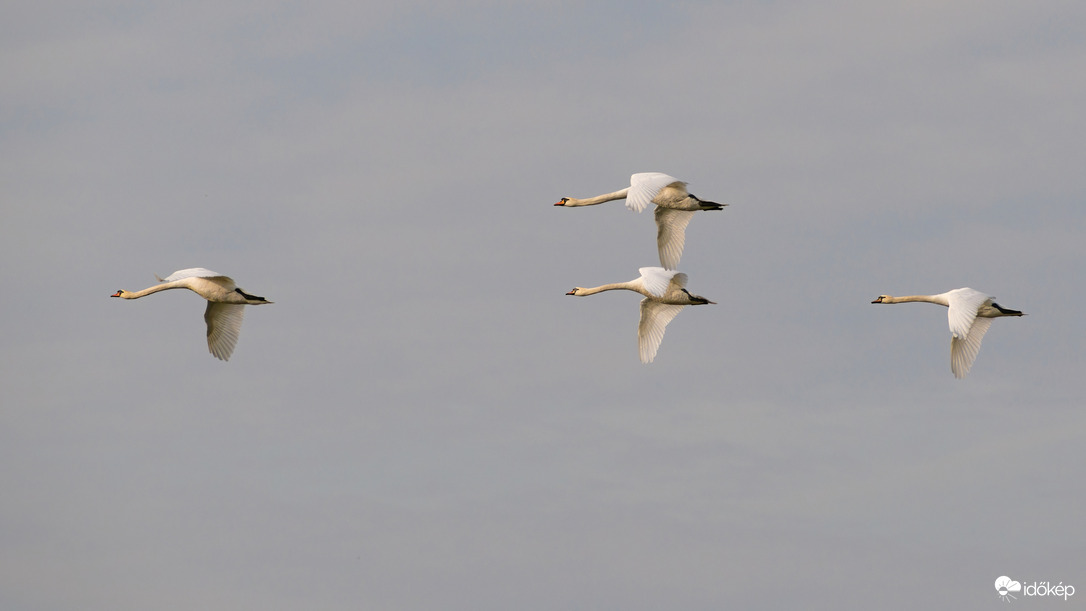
424 420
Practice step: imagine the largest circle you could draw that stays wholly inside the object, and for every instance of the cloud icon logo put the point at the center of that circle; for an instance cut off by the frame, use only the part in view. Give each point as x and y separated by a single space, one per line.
1005 585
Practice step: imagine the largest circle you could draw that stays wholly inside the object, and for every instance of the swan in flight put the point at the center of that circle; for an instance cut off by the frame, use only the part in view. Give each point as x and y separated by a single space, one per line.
970 314
674 209
225 303
665 295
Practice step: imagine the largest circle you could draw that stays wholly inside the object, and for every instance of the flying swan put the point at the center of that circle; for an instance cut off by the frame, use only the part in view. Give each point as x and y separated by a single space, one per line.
225 303
665 296
970 314
674 208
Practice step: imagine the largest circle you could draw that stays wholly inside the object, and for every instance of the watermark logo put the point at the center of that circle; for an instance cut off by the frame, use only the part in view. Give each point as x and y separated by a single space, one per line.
1007 588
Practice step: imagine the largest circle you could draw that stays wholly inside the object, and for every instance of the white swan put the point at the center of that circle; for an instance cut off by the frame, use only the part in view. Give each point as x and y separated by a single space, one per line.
970 314
225 303
665 297
674 209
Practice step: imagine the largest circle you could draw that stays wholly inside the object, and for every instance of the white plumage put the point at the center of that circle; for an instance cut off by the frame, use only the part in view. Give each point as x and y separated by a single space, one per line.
225 304
970 313
665 296
675 206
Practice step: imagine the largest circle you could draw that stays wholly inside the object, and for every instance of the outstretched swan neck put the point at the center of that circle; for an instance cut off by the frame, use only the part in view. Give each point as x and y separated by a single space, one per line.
123 294
592 201
628 286
939 299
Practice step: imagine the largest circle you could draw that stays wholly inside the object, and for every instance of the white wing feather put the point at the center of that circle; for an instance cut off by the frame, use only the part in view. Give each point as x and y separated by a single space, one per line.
963 351
645 186
964 304
223 327
192 272
656 279
650 331
671 234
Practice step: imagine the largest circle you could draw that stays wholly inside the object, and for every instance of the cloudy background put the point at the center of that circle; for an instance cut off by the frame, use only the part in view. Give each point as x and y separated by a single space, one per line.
423 420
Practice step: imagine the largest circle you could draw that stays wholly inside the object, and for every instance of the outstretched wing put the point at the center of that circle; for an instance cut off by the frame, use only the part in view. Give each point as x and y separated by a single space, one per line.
963 351
671 234
650 331
964 304
646 185
223 327
656 279
192 272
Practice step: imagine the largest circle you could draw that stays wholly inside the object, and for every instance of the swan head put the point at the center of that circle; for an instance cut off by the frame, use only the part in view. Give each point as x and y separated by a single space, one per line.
119 293
562 202
882 299
576 291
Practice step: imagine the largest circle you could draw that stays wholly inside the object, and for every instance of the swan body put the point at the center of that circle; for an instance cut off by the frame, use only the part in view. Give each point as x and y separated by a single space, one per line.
970 314
675 206
225 303
665 296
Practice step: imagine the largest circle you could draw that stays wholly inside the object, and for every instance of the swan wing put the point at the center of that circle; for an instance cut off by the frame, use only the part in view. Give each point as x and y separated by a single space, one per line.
671 234
963 307
650 331
192 272
963 351
223 327
656 279
225 282
678 282
645 186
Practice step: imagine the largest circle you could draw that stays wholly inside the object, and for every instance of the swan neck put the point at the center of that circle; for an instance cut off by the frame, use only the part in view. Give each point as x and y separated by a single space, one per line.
615 286
599 199
939 299
154 289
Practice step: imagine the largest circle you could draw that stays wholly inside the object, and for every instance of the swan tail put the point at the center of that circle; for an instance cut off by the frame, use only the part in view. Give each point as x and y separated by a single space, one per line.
252 299
704 205
1005 311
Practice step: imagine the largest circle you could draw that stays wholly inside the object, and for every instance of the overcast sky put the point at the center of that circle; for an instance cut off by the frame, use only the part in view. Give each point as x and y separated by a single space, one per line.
423 419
